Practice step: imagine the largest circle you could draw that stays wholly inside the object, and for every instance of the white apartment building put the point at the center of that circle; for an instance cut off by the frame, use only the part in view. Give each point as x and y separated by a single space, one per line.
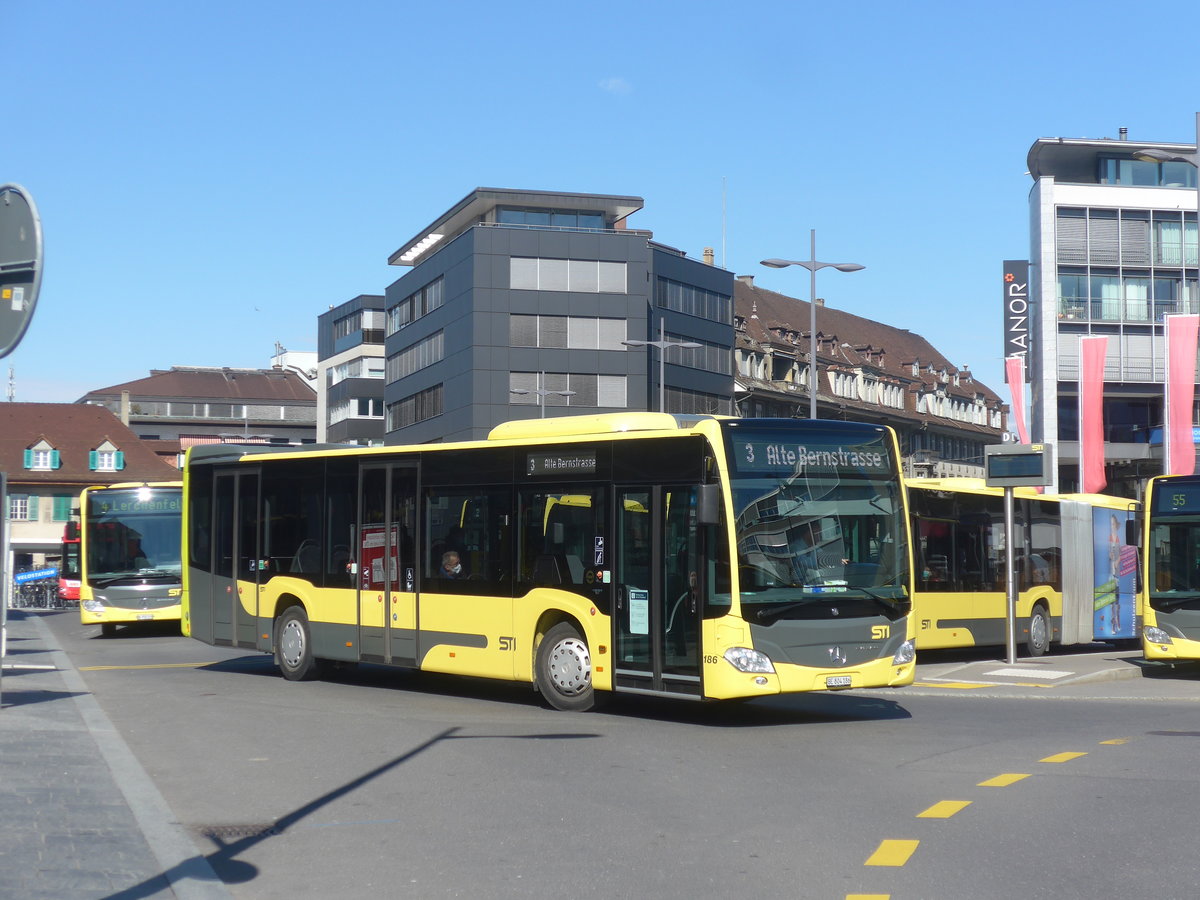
1113 250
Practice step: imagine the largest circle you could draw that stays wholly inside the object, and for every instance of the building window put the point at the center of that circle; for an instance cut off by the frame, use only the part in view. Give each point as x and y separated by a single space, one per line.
693 301
106 460
564 219
415 408
1146 173
62 507
416 357
23 507
587 276
417 304
685 402
708 357
570 332
567 389
42 457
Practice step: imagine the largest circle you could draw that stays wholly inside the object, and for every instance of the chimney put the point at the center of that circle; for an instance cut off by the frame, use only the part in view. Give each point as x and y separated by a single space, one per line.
125 408
747 280
708 256
820 301
1124 134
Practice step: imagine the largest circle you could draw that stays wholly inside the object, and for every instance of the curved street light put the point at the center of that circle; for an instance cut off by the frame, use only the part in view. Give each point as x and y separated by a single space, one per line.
662 344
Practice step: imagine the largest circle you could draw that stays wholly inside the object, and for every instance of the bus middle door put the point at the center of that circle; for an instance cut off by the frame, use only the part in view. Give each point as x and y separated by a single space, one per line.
385 564
656 572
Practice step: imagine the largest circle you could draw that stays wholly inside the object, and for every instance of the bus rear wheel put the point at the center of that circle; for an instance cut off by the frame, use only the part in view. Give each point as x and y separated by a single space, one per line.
1040 631
293 646
563 669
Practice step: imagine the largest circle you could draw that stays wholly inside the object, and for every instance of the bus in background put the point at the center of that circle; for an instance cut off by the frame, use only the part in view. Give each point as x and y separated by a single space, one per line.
130 553
1076 575
679 556
68 567
1170 595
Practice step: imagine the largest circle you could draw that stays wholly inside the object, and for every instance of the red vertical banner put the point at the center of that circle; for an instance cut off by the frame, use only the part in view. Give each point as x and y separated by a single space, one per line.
1014 371
1091 413
1179 449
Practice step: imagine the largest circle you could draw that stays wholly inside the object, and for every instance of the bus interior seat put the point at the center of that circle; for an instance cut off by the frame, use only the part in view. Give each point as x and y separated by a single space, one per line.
307 558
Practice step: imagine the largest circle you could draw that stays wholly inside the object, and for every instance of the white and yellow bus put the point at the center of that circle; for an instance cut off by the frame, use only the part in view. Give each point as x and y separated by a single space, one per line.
1170 596
682 556
130 549
1076 573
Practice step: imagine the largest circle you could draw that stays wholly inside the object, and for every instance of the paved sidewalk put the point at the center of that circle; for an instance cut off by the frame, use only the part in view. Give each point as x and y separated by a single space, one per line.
79 816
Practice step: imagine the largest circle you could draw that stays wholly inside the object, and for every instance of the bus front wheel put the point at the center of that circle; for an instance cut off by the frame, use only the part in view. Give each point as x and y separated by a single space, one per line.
1040 631
293 645
564 669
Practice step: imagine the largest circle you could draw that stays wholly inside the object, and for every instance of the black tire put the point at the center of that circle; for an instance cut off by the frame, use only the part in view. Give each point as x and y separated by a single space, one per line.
563 669
293 646
1041 629
108 629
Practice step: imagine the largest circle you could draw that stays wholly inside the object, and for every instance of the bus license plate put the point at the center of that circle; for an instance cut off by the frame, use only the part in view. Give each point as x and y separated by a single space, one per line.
835 681
145 617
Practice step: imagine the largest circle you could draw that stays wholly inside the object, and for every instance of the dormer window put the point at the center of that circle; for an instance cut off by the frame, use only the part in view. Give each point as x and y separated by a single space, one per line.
42 457
106 458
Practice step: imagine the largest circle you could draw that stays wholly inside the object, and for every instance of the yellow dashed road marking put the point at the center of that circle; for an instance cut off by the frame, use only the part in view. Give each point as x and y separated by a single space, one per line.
1116 741
868 897
892 853
1062 757
944 809
1002 780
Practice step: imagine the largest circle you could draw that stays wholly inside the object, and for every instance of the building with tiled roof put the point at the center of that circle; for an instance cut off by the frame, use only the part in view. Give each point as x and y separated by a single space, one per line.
866 371
208 405
52 451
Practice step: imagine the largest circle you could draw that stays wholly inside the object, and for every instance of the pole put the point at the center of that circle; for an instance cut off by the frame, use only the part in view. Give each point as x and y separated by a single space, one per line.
812 324
662 365
1010 577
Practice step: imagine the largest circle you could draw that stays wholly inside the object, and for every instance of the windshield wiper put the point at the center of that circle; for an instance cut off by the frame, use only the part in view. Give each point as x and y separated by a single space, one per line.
1167 603
767 616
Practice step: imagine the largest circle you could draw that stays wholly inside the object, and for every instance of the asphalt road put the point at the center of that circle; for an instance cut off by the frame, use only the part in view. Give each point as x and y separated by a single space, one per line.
399 784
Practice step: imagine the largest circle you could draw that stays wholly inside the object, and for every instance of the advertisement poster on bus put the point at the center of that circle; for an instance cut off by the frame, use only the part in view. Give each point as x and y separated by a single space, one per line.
371 558
1115 565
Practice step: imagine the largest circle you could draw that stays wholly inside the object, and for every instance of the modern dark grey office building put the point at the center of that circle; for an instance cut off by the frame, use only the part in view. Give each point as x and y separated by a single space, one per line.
520 304
350 371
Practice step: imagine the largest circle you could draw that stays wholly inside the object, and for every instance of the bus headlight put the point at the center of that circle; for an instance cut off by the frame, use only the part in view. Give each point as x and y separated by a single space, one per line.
93 606
906 654
746 660
1156 635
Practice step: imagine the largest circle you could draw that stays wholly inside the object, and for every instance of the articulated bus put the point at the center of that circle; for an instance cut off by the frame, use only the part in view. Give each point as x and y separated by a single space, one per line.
130 553
1170 596
68 567
1076 574
682 556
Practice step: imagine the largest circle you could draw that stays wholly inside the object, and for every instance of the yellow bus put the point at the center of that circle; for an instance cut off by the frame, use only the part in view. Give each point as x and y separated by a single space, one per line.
1170 596
130 549
682 556
1076 573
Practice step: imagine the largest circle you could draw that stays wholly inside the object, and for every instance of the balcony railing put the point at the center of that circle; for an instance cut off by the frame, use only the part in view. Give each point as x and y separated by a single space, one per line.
1141 311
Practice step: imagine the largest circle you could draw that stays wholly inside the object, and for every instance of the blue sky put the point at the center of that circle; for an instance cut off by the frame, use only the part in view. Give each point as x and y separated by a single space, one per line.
211 177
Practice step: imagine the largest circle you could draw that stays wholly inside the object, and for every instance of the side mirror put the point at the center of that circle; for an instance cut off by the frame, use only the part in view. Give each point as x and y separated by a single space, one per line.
72 531
708 504
1133 532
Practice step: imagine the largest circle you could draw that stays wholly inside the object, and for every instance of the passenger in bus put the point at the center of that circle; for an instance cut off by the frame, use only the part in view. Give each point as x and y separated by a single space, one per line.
451 566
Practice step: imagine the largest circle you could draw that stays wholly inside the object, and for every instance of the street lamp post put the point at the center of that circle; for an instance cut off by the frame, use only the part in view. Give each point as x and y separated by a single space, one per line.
662 344
812 265
542 393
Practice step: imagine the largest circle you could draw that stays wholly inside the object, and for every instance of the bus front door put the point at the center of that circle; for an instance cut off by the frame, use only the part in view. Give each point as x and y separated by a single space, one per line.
656 571
235 564
385 564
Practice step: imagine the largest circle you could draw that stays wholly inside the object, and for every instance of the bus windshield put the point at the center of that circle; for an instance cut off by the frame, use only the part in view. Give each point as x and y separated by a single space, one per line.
133 533
819 521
